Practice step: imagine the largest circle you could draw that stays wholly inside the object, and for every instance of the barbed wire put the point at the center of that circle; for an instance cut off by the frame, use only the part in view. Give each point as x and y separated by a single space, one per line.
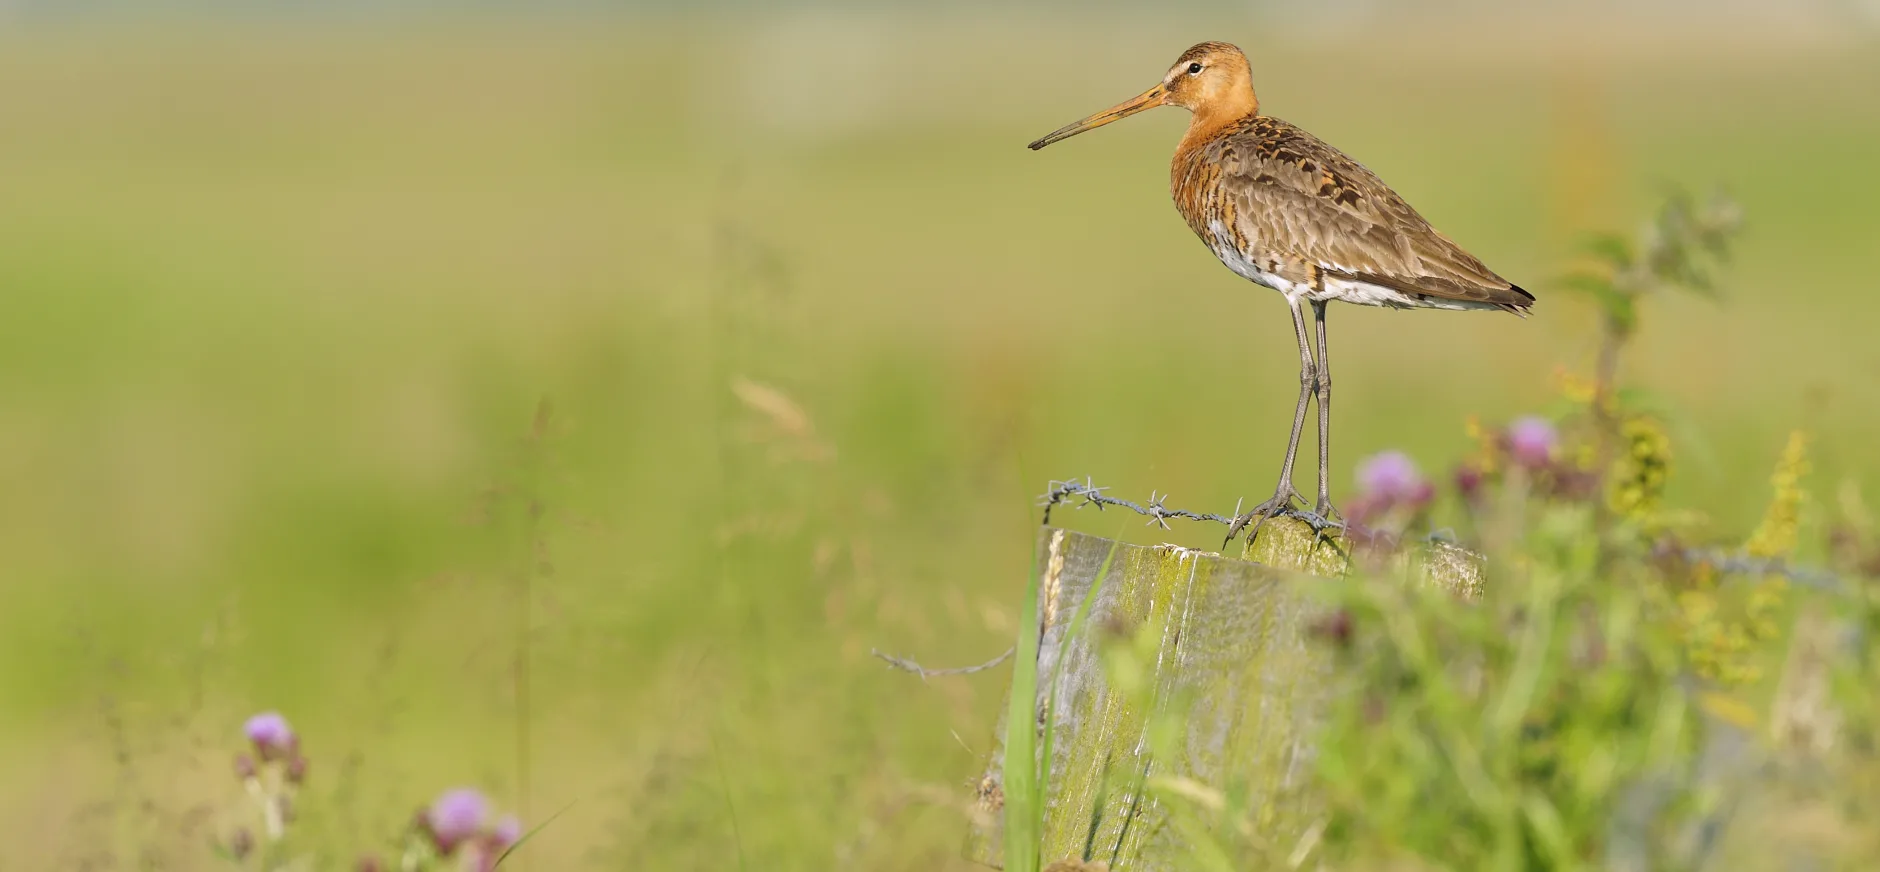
1158 512
1091 495
906 665
1730 563
1078 494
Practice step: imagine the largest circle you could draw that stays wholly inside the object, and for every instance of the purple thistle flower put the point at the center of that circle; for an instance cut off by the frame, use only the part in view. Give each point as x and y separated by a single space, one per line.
1531 441
272 737
456 817
1390 477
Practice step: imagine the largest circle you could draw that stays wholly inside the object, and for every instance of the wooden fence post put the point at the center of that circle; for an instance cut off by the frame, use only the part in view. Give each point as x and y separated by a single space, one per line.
1234 642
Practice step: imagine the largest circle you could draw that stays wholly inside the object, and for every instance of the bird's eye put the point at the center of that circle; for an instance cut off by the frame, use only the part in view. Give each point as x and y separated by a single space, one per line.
1194 69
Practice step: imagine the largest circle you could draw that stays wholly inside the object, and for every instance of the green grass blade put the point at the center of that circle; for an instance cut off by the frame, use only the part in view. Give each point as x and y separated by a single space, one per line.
531 834
1024 807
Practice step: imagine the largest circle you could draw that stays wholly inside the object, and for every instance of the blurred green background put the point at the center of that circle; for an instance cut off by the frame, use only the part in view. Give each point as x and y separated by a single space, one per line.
565 399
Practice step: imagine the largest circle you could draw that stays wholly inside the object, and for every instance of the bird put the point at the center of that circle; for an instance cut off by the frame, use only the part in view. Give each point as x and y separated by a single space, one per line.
1282 208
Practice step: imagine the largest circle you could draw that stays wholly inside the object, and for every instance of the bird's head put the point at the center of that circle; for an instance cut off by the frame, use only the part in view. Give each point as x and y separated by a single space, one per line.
1211 79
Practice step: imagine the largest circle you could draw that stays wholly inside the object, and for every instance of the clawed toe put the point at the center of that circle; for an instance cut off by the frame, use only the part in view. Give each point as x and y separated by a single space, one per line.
1280 504
1323 517
1320 523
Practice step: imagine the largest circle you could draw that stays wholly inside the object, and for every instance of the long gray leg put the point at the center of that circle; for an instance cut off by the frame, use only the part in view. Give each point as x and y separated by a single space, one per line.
1308 379
1284 494
1324 507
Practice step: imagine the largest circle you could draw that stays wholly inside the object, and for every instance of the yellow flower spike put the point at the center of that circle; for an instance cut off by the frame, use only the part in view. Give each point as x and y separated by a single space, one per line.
1574 387
1775 536
1643 466
1487 445
1721 639
1764 605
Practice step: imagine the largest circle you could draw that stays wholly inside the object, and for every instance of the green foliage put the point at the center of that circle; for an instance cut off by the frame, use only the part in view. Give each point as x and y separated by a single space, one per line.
1674 251
1503 734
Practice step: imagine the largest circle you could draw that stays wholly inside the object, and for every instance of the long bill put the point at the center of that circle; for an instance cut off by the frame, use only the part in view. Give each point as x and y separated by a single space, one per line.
1146 100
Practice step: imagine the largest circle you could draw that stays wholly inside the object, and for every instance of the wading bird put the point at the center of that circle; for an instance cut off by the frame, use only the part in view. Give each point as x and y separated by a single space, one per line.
1283 209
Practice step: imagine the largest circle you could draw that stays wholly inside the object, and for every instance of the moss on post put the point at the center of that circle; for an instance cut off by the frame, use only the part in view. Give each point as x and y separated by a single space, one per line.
1291 544
1227 653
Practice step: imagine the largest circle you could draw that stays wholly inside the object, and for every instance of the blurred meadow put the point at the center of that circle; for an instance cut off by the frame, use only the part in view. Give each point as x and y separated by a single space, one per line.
564 403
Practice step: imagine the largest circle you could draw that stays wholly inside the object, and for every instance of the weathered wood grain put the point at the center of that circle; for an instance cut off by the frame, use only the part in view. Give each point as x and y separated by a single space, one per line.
1231 659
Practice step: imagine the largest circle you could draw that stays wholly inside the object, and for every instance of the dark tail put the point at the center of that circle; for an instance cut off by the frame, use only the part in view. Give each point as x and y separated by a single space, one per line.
1519 306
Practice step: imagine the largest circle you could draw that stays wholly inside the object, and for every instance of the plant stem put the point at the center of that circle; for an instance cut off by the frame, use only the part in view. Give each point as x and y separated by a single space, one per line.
1612 339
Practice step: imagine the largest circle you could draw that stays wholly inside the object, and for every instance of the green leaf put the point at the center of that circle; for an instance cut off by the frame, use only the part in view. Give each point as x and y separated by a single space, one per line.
1179 797
222 852
1589 283
1549 830
1614 303
1610 247
1624 313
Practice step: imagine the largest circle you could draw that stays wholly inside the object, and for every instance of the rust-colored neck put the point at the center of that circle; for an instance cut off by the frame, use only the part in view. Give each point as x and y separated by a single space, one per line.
1217 114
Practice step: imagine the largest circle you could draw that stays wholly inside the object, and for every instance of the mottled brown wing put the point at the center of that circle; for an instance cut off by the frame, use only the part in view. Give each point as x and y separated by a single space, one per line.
1296 196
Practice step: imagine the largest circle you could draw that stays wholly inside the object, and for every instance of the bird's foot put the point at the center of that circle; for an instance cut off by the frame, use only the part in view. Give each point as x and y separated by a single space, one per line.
1281 504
